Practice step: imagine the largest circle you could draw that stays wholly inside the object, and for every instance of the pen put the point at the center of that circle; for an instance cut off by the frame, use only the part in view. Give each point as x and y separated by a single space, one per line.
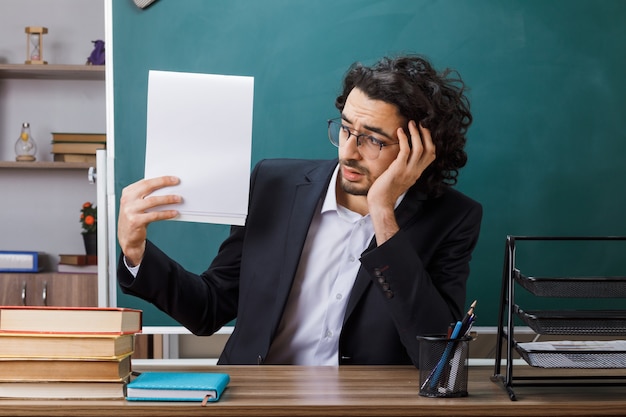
456 361
450 327
471 323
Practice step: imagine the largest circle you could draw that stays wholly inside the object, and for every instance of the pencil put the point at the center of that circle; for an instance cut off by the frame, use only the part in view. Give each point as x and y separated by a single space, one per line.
466 320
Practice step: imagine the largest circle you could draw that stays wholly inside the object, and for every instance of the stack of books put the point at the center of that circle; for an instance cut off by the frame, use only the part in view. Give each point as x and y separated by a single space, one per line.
66 352
77 147
78 263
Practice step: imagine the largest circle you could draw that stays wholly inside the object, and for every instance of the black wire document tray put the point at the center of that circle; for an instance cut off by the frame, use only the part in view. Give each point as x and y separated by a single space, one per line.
594 315
574 354
573 287
575 322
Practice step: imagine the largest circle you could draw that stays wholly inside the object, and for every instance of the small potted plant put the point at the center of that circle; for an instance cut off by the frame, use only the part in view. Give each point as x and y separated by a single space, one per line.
89 223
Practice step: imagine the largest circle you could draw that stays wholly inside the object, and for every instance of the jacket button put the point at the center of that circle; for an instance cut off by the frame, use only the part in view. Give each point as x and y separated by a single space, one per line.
389 294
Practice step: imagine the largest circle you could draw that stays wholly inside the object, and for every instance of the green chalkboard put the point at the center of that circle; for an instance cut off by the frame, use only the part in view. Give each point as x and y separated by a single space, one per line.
548 93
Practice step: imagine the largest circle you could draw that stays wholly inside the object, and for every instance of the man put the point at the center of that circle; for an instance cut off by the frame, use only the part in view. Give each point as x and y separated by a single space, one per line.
343 261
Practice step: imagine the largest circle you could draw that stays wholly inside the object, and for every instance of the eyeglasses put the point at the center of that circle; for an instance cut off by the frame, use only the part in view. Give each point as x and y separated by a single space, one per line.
369 147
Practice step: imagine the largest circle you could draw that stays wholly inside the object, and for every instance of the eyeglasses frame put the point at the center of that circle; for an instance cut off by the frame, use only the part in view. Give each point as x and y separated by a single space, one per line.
358 137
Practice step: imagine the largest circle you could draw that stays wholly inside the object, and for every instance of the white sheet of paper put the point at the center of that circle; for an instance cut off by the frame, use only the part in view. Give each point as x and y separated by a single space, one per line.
199 128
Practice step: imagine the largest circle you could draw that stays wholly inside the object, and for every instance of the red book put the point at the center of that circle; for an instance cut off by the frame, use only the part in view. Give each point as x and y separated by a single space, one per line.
78 259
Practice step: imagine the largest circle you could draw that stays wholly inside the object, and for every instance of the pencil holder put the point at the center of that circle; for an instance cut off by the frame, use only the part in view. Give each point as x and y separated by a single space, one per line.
443 366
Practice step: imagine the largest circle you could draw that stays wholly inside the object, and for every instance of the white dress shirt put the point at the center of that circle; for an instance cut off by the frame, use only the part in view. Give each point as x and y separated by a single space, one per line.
309 330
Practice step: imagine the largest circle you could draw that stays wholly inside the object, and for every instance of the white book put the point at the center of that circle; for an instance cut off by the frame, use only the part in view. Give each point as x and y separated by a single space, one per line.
77 269
575 346
199 128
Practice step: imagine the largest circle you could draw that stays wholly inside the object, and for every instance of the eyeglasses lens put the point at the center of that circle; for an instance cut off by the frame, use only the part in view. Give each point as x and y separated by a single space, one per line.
338 135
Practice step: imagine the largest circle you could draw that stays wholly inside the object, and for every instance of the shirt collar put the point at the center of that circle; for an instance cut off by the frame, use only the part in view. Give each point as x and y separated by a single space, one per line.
330 201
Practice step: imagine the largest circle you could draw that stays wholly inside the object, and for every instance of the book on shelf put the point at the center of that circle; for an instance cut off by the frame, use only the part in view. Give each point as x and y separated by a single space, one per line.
68 346
54 390
61 369
86 320
78 259
74 157
76 148
177 386
22 261
79 137
77 269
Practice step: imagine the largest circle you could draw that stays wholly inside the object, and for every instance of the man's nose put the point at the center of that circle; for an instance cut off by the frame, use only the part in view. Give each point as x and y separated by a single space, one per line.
350 149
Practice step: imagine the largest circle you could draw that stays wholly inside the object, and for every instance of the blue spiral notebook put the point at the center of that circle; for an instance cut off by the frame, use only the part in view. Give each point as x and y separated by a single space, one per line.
177 386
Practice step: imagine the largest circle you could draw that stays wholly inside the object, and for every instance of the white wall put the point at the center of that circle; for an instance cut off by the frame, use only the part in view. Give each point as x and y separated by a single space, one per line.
39 209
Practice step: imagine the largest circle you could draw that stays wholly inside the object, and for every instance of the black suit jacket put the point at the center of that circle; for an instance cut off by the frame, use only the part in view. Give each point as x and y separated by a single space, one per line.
413 284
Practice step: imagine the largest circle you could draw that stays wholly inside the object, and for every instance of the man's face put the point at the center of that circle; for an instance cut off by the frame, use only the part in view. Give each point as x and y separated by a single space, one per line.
372 117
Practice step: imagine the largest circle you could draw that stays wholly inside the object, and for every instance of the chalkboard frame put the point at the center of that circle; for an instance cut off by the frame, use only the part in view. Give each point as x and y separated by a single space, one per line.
547 94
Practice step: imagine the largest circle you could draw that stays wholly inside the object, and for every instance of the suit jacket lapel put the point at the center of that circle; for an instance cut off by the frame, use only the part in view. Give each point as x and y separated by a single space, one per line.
306 198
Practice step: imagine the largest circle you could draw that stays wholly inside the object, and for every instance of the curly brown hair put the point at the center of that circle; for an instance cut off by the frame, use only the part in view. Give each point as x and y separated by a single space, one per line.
435 99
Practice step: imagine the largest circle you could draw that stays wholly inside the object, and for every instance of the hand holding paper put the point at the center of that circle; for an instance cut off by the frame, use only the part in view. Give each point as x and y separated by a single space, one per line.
135 214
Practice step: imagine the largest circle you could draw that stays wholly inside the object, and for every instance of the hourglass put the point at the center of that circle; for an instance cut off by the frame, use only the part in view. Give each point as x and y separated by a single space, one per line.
34 44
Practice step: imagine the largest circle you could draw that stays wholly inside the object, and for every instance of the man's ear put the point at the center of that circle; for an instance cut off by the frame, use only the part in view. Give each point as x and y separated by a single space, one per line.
143 3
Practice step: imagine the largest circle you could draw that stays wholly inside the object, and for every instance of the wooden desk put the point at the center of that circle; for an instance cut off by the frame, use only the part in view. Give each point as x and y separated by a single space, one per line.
345 391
